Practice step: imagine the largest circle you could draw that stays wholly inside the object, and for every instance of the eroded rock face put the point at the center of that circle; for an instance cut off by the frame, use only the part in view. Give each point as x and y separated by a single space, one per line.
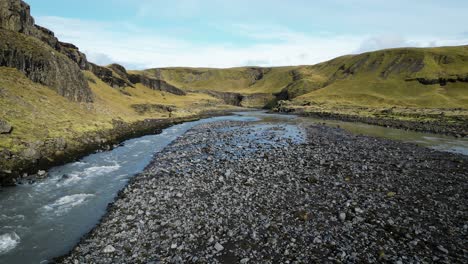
15 16
108 77
442 81
155 84
41 61
229 98
42 64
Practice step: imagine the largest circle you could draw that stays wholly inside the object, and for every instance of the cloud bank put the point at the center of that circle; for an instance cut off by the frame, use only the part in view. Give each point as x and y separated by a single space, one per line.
207 33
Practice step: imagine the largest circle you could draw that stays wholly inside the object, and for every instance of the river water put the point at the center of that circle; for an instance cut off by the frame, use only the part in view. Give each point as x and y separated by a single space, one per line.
46 219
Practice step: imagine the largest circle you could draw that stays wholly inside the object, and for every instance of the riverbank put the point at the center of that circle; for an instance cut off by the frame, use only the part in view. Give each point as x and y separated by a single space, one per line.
233 192
456 126
32 164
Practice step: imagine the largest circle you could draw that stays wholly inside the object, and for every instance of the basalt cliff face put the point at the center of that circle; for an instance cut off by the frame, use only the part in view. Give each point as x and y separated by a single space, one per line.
37 53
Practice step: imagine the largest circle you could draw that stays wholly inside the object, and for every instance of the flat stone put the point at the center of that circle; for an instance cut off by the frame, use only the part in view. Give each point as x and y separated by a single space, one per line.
218 247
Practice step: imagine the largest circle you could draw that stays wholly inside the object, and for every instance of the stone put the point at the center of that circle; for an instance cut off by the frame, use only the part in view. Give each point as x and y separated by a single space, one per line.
442 249
342 216
218 247
358 210
5 128
312 180
109 249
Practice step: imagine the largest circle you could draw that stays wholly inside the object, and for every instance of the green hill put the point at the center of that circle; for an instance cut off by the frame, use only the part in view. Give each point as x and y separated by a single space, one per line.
405 77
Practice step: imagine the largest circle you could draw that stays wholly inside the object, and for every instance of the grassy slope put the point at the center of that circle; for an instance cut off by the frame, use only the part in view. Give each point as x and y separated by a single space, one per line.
370 80
37 113
379 79
239 80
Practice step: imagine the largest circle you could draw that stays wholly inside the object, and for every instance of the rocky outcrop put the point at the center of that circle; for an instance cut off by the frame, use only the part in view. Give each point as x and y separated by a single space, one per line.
155 84
229 98
43 61
119 70
107 76
73 53
258 100
442 81
15 16
42 64
257 74
5 128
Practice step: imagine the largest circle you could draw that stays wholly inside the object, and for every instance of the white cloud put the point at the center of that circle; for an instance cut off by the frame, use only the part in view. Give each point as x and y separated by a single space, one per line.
270 45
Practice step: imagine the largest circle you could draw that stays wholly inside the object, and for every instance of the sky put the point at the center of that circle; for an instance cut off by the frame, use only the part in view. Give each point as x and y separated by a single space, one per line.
142 34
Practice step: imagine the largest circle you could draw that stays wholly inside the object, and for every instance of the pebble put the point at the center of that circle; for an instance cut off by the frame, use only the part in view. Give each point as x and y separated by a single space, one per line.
218 247
109 249
342 216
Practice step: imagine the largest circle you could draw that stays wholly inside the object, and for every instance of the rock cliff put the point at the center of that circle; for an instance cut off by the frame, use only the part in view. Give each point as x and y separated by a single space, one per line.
37 53
42 64
155 84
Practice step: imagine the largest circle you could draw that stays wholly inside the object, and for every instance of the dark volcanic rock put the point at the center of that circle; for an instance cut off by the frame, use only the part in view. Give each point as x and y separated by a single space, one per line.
73 53
442 81
108 77
5 128
155 84
229 98
42 64
119 69
15 16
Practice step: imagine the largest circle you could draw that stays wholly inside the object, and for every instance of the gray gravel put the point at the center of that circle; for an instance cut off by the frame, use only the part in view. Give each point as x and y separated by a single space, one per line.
233 192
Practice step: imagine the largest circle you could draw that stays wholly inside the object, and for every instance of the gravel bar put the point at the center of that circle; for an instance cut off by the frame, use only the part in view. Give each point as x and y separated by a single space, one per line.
239 192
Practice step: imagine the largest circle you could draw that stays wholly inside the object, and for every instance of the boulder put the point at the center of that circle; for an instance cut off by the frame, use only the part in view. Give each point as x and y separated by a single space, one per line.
5 128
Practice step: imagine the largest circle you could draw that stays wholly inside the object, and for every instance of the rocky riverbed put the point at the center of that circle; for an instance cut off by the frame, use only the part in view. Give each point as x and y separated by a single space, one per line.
236 192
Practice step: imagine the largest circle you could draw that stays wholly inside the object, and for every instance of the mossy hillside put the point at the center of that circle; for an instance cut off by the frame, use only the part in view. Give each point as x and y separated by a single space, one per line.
38 113
388 78
118 102
246 80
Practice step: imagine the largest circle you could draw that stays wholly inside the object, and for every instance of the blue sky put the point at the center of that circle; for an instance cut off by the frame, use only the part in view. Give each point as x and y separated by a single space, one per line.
214 33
